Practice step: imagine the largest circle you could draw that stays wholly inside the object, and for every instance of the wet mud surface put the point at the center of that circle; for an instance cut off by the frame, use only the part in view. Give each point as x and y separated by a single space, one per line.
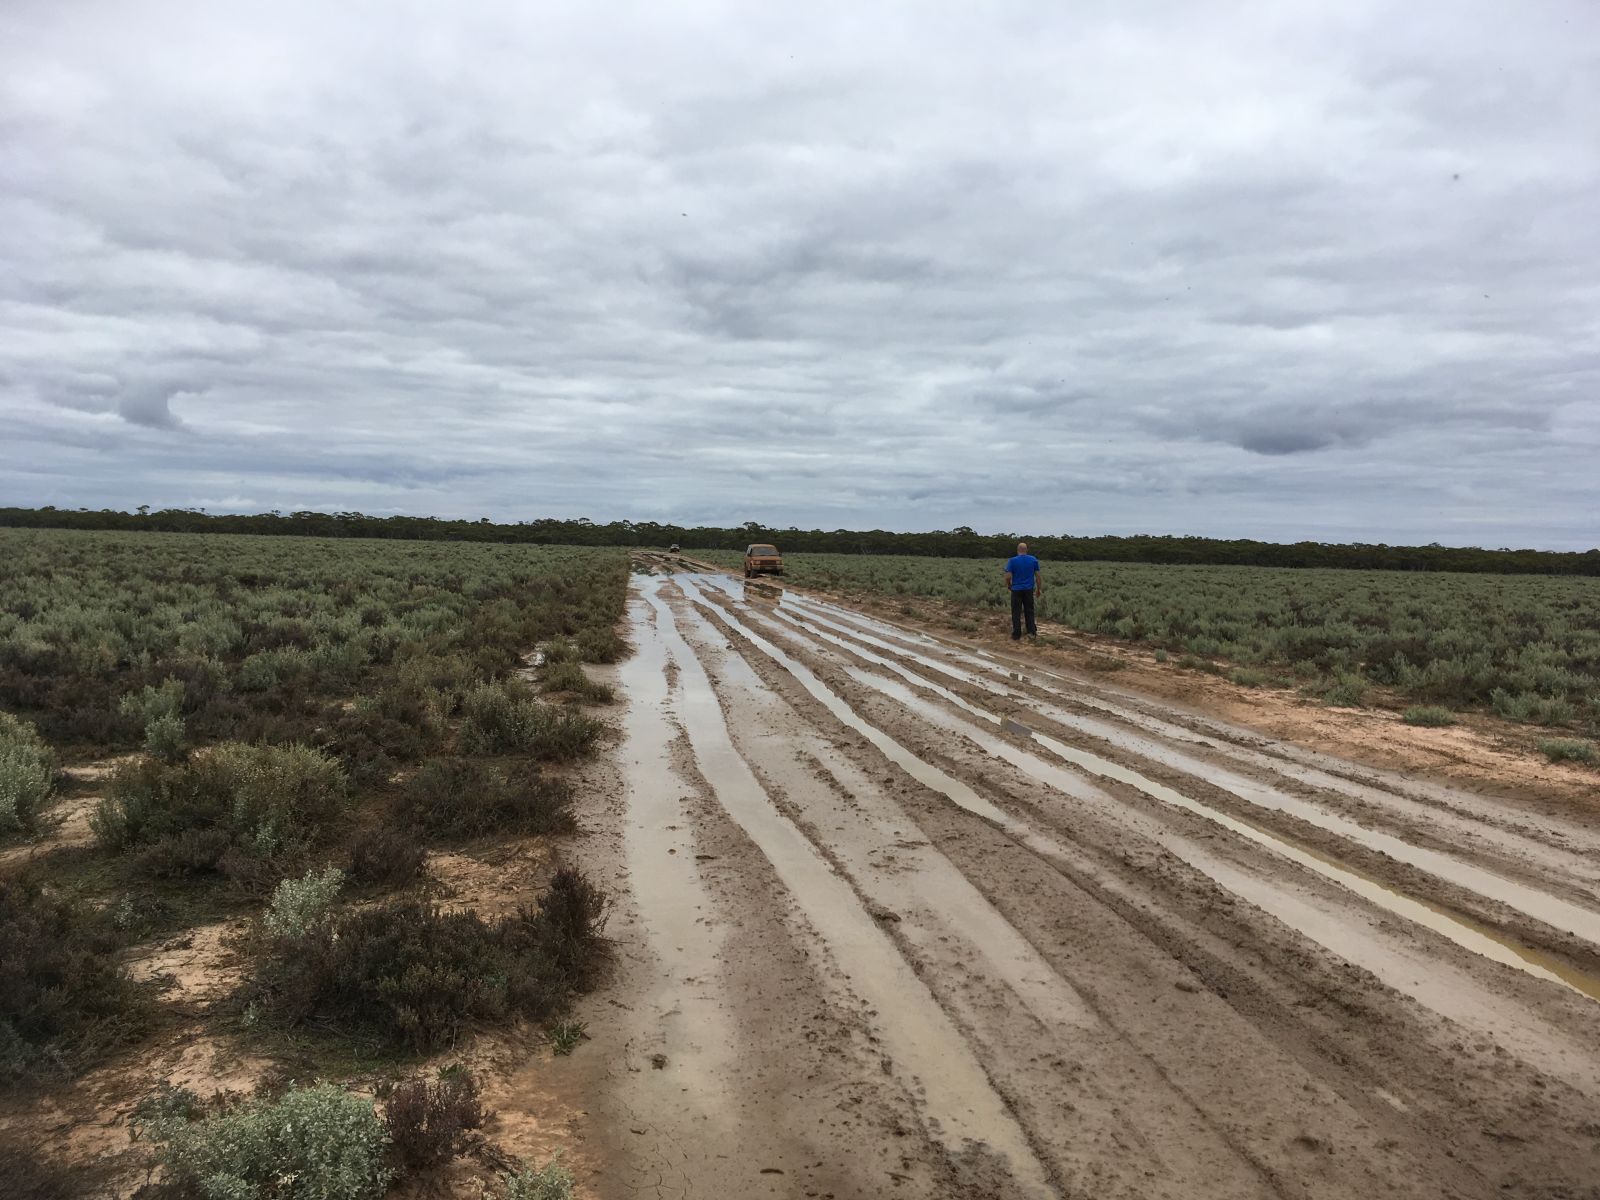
898 915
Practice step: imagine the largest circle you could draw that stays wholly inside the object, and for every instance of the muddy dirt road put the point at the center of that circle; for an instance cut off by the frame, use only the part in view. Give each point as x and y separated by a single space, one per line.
901 917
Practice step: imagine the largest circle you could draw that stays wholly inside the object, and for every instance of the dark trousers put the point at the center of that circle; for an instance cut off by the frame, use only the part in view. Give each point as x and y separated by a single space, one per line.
1022 607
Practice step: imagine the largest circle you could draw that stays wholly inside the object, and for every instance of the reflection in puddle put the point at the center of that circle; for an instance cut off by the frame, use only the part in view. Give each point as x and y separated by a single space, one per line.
1470 935
1552 910
960 1099
683 1009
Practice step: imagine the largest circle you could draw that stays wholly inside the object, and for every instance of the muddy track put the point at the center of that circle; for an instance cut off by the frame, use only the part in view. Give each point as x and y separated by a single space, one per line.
903 917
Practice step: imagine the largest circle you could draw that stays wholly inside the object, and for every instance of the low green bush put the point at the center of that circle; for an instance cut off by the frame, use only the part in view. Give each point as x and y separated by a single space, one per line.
166 738
1428 715
506 718
601 645
561 650
154 702
1532 708
298 905
1348 691
63 990
372 747
500 718
1568 750
412 702
414 974
314 1143
1248 677
266 670
260 806
27 774
569 677
463 797
549 1182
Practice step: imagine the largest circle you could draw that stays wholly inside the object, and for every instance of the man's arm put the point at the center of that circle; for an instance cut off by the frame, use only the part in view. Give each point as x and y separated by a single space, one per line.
1038 581
1008 578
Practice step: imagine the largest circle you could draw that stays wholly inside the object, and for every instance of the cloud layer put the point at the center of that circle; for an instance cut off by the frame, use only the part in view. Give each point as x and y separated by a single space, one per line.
1319 269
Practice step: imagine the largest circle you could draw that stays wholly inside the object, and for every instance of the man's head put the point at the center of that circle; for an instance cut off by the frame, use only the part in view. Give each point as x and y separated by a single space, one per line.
1022 547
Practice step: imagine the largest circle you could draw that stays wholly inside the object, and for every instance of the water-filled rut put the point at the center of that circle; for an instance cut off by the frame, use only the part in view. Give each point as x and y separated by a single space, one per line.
1073 943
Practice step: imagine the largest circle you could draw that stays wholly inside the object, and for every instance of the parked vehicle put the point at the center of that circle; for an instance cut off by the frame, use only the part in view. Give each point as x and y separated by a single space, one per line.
762 559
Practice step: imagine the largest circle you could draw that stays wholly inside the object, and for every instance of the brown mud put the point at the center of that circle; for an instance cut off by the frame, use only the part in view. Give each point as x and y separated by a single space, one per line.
1187 958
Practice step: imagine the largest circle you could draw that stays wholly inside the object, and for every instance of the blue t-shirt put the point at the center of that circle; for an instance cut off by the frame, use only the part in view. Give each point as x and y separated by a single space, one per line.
1023 568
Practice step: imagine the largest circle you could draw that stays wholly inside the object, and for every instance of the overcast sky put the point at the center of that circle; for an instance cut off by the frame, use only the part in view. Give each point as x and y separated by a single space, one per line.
1293 268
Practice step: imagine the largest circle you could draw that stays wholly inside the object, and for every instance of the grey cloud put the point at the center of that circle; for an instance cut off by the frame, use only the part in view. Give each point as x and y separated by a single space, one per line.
1150 269
151 404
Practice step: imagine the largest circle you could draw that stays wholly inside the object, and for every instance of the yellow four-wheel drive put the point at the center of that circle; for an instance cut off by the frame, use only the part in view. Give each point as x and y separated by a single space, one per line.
761 559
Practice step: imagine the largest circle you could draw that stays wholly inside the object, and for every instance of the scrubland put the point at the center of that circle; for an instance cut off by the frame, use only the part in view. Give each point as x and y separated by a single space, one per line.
274 735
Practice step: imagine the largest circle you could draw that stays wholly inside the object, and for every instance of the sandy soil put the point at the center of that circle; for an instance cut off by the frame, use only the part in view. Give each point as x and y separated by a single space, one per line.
899 915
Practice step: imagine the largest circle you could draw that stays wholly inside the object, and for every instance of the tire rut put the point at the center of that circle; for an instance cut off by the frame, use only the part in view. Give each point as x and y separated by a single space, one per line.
1139 986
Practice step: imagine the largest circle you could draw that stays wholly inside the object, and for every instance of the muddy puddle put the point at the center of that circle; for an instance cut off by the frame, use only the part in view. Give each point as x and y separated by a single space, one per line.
1538 837
685 1016
919 873
1463 932
962 1106
1552 910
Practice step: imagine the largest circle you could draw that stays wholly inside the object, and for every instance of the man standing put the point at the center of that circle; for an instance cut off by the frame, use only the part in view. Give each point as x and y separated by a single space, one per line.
1022 578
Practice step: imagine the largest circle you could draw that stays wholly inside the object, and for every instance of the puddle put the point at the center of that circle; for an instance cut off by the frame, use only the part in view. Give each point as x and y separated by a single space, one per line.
1542 906
961 1102
682 1014
1423 799
957 936
1405 966
1468 934
868 836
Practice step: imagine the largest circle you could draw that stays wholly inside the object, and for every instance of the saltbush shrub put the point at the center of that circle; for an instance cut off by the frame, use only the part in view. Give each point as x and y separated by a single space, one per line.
276 669
63 990
166 738
299 904
1568 750
1532 708
313 1143
549 1182
1348 691
428 1122
154 702
506 718
601 645
253 804
561 650
27 774
463 797
371 746
567 927
1428 715
385 857
414 974
500 718
570 678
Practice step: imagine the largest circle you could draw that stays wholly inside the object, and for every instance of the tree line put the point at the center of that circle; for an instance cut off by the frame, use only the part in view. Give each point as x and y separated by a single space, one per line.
961 542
